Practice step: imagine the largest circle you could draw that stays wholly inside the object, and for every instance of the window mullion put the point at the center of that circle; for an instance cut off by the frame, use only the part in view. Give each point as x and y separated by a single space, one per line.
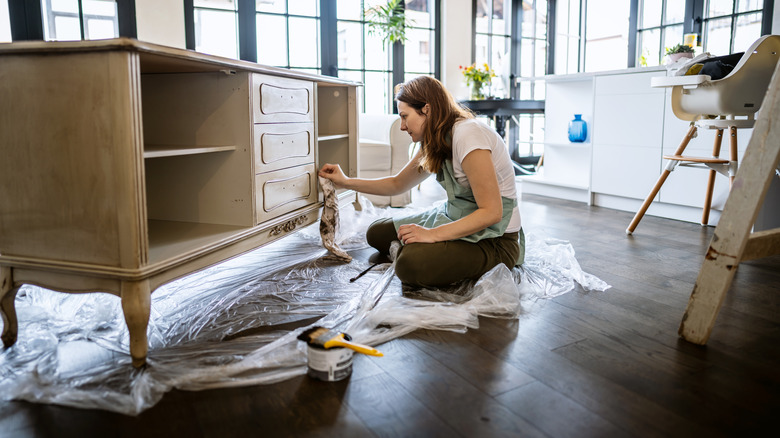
26 20
247 30
633 25
329 38
125 14
583 33
551 12
766 17
81 20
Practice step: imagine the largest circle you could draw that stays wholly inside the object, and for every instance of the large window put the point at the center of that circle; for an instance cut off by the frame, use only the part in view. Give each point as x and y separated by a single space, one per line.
5 22
533 48
731 26
493 40
420 49
620 34
216 27
568 20
606 34
533 63
288 34
319 36
363 56
660 27
511 37
65 20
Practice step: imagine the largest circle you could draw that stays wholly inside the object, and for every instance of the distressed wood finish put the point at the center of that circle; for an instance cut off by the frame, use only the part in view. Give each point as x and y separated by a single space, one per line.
7 309
127 165
732 235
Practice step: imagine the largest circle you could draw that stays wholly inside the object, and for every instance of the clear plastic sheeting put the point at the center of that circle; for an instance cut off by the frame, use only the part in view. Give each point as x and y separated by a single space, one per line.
236 323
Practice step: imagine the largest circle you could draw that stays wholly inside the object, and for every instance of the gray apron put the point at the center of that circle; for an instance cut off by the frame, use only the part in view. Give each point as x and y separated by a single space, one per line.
460 203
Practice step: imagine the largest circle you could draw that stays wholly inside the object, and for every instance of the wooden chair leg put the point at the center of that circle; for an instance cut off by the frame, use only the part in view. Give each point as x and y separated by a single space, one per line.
649 200
136 305
665 174
705 214
733 153
7 308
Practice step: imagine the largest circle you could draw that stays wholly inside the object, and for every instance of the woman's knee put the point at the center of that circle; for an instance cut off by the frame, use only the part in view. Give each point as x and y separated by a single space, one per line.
409 269
380 234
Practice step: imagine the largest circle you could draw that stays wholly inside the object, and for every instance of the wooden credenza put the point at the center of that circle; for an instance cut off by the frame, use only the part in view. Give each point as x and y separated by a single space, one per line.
125 165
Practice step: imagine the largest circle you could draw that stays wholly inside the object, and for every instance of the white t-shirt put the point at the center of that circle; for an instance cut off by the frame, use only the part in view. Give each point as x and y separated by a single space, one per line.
471 134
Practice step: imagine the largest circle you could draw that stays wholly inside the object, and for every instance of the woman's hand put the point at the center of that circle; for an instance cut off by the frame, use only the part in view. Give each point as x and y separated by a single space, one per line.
334 173
413 233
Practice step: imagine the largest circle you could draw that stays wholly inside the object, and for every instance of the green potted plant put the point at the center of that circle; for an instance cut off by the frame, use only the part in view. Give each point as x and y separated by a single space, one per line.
388 21
679 51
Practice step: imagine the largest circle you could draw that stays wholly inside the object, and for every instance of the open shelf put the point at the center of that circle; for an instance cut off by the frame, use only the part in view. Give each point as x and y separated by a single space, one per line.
332 137
169 239
570 144
158 151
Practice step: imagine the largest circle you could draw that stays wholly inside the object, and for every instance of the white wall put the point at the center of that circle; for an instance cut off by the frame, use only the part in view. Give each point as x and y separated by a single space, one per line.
456 45
5 23
161 22
776 19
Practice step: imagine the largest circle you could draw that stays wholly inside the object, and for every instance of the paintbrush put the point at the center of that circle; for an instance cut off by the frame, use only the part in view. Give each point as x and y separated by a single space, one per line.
326 338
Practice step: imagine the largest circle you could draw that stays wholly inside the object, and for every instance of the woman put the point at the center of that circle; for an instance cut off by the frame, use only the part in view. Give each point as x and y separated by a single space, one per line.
479 225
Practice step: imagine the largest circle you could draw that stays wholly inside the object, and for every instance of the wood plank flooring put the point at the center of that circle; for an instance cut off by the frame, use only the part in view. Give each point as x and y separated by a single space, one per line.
585 364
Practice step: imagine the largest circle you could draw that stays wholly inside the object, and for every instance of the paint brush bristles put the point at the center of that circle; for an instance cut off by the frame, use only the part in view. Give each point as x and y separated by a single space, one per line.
326 338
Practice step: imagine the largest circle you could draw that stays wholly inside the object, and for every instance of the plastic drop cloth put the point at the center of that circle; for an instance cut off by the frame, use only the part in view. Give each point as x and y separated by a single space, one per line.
236 323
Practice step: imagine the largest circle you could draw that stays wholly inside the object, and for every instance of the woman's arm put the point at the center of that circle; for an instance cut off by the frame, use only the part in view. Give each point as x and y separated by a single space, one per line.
408 177
479 169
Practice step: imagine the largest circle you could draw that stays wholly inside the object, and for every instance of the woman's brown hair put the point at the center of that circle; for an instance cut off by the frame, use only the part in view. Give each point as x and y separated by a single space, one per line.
444 111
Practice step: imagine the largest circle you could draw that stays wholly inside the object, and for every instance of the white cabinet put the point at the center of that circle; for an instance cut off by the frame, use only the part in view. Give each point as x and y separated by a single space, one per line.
631 126
567 165
127 165
628 128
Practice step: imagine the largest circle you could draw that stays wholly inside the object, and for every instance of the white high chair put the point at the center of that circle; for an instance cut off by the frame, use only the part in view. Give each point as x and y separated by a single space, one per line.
730 102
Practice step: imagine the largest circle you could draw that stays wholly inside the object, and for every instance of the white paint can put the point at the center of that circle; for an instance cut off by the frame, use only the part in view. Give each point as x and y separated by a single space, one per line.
330 365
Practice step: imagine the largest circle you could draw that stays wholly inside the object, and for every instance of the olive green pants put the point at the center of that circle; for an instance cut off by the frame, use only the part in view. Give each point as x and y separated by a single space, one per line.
444 263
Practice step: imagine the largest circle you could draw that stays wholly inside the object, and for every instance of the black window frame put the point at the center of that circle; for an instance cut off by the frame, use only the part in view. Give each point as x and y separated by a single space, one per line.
26 19
247 39
693 22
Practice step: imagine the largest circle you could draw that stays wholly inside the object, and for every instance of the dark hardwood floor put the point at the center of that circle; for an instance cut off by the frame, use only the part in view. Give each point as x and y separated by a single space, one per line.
585 364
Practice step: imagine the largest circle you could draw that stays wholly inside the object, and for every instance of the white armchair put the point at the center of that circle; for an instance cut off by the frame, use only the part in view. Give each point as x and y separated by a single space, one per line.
384 151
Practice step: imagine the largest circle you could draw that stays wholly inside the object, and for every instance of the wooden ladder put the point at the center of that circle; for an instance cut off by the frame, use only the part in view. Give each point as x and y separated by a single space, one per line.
733 242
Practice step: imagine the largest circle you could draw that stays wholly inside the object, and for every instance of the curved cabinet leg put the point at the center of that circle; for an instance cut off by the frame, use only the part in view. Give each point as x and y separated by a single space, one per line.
7 308
136 305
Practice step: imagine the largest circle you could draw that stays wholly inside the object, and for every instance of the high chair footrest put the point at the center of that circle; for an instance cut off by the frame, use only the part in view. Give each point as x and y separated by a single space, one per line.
710 160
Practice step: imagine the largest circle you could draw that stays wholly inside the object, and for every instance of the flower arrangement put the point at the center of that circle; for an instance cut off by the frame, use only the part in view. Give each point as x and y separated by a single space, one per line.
477 78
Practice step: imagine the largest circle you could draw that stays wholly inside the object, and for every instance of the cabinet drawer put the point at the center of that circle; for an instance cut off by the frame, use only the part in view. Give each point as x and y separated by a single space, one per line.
277 99
284 190
283 145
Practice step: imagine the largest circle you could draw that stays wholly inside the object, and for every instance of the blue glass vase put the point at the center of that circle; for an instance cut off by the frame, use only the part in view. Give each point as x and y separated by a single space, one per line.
578 129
